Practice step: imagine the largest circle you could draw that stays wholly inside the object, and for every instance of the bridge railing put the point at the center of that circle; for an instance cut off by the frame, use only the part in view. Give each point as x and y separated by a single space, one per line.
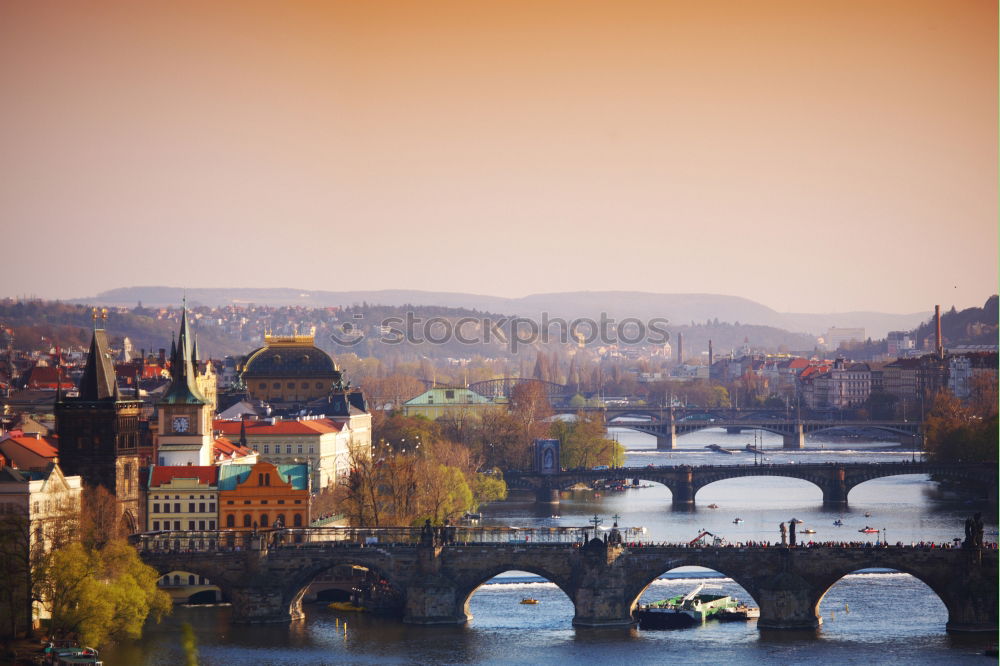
332 537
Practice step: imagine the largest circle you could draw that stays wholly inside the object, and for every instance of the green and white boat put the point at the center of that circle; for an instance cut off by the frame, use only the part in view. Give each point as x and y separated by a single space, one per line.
688 610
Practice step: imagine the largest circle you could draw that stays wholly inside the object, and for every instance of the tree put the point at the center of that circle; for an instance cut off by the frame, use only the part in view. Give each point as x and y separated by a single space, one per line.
101 595
447 494
100 519
583 443
954 433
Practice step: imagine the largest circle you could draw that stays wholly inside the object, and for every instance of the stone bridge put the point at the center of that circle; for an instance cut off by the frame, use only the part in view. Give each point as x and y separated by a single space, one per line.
435 582
835 479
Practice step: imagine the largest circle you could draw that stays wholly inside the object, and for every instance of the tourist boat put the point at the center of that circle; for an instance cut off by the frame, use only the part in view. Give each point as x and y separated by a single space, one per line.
809 531
713 506
73 655
838 523
737 613
689 610
869 530
868 514
346 607
529 601
737 521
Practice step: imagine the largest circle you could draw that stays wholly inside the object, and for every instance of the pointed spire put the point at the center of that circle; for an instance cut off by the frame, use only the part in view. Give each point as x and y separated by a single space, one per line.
243 432
194 353
98 382
183 389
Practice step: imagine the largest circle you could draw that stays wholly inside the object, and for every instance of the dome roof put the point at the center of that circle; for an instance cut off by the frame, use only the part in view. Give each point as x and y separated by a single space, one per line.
295 356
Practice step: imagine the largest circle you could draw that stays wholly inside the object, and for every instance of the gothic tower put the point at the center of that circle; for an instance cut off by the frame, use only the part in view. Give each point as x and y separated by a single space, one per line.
99 433
185 413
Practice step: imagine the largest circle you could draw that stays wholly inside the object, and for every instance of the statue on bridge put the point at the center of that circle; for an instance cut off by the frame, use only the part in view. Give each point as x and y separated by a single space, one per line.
784 534
974 531
791 533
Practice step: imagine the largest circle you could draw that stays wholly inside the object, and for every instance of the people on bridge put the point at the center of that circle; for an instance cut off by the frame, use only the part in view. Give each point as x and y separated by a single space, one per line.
427 533
784 534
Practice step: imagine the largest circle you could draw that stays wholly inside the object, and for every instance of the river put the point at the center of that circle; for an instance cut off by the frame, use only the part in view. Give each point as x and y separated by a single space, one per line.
883 617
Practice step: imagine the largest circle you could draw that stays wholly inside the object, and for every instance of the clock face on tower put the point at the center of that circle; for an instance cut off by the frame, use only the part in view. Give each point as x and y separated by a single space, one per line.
180 423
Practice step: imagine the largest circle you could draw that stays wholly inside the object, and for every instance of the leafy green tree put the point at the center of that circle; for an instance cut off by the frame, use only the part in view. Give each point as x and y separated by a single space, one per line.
101 595
488 488
583 443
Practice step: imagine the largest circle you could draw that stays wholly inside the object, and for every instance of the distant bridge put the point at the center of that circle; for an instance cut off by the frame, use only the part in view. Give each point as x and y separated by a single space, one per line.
835 479
433 582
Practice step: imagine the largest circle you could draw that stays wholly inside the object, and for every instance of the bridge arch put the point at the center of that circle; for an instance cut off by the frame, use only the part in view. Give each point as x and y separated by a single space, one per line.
634 593
387 590
894 577
467 588
190 567
804 479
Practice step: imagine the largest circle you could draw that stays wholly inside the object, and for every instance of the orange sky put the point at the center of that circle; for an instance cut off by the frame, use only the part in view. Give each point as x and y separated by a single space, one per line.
813 156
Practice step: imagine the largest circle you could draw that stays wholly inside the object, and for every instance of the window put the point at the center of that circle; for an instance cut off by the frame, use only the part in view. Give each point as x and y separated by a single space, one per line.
246 501
156 508
262 385
166 508
263 501
211 507
281 501
190 507
319 385
230 502
291 385
299 449
280 520
305 385
267 448
156 526
177 507
263 520
276 385
449 395
246 520
298 501
177 525
288 448
311 449
191 525
211 524
191 579
201 524
230 520
177 579
201 507
297 520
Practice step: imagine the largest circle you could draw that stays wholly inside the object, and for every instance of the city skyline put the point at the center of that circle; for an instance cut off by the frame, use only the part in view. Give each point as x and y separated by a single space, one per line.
810 158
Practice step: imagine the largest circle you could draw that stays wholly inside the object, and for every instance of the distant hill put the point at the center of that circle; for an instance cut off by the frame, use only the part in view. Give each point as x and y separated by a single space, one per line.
972 326
679 309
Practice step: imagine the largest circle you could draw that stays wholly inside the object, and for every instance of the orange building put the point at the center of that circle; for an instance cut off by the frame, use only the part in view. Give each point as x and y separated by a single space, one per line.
263 495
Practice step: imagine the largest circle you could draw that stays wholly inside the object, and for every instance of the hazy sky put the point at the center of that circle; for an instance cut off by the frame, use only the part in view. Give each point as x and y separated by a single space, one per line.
811 155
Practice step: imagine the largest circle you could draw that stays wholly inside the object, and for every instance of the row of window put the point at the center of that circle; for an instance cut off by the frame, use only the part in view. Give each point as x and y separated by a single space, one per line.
201 580
279 520
281 501
288 448
291 385
166 497
191 507
165 525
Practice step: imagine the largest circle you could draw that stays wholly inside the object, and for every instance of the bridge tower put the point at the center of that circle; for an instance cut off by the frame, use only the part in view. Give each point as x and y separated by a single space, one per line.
666 432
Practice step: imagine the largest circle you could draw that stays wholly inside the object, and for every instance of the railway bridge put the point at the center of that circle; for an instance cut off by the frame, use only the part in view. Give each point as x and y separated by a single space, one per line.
684 481
434 579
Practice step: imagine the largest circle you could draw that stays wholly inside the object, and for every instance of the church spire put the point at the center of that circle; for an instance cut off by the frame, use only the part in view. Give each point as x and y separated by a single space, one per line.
183 389
99 382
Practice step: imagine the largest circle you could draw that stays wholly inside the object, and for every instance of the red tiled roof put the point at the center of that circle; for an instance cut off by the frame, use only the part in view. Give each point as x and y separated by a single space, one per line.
318 426
208 475
225 447
46 447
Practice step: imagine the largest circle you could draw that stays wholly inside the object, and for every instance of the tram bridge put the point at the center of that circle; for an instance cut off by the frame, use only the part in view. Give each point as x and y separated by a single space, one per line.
266 578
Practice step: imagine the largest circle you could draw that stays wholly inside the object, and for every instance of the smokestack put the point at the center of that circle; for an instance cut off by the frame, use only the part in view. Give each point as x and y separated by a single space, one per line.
680 348
938 341
710 356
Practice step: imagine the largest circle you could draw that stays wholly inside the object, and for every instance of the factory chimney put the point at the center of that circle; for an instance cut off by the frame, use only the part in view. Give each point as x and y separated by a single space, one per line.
711 358
680 348
938 340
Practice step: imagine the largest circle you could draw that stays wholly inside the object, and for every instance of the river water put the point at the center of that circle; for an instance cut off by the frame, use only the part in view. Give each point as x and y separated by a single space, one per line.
883 617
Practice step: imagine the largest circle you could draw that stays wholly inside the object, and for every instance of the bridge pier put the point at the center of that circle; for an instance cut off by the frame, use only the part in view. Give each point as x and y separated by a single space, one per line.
254 604
599 599
547 495
733 430
787 602
795 439
666 437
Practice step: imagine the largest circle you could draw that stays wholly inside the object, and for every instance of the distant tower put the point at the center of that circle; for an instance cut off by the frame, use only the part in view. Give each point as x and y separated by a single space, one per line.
680 348
938 340
99 432
711 358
